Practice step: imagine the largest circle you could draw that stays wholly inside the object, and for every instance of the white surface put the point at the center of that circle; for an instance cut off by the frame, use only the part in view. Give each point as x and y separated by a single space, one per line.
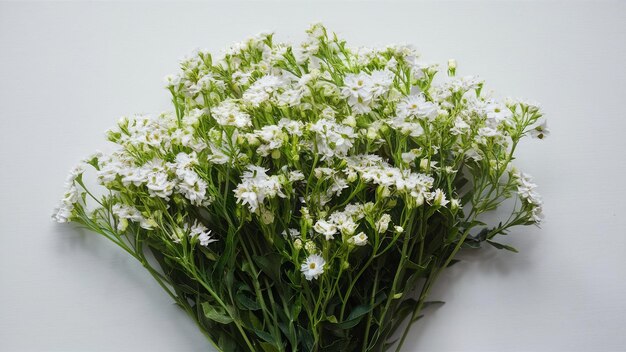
69 70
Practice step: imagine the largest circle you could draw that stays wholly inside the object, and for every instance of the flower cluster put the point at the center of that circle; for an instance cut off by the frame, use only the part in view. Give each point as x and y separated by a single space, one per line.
299 191
256 186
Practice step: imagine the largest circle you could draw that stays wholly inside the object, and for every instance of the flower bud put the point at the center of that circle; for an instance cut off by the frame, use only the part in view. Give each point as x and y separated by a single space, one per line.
266 216
372 133
454 204
383 223
275 154
310 247
452 65
253 141
352 176
440 198
383 192
350 121
425 165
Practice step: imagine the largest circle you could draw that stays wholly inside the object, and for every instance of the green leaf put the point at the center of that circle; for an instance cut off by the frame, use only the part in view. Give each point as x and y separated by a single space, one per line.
226 343
296 308
216 314
246 303
254 321
420 268
355 317
268 347
452 234
269 264
270 343
502 246
307 339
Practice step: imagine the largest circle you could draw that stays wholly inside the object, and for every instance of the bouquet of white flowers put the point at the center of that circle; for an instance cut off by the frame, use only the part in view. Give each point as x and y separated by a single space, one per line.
306 198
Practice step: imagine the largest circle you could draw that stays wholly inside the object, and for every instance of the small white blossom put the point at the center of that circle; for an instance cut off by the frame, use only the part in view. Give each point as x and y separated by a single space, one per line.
359 239
126 212
383 223
540 131
199 231
313 267
325 228
228 113
417 106
64 211
439 198
262 89
256 186
332 138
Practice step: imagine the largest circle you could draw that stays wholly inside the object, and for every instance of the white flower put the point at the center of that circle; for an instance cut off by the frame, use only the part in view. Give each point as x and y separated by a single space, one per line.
358 89
64 211
537 214
455 203
348 227
496 114
526 188
171 81
126 212
417 106
199 231
439 198
413 129
272 137
357 86
410 156
332 138
76 171
228 113
159 185
293 233
313 267
291 127
380 82
191 186
359 240
256 186
240 77
383 223
325 228
290 97
540 131
192 118
488 132
262 89
460 126
295 176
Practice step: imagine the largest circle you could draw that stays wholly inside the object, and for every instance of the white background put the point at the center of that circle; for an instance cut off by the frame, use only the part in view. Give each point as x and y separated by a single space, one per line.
69 70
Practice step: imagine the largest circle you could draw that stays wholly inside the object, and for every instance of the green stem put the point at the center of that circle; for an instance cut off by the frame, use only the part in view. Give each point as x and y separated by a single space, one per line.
369 316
